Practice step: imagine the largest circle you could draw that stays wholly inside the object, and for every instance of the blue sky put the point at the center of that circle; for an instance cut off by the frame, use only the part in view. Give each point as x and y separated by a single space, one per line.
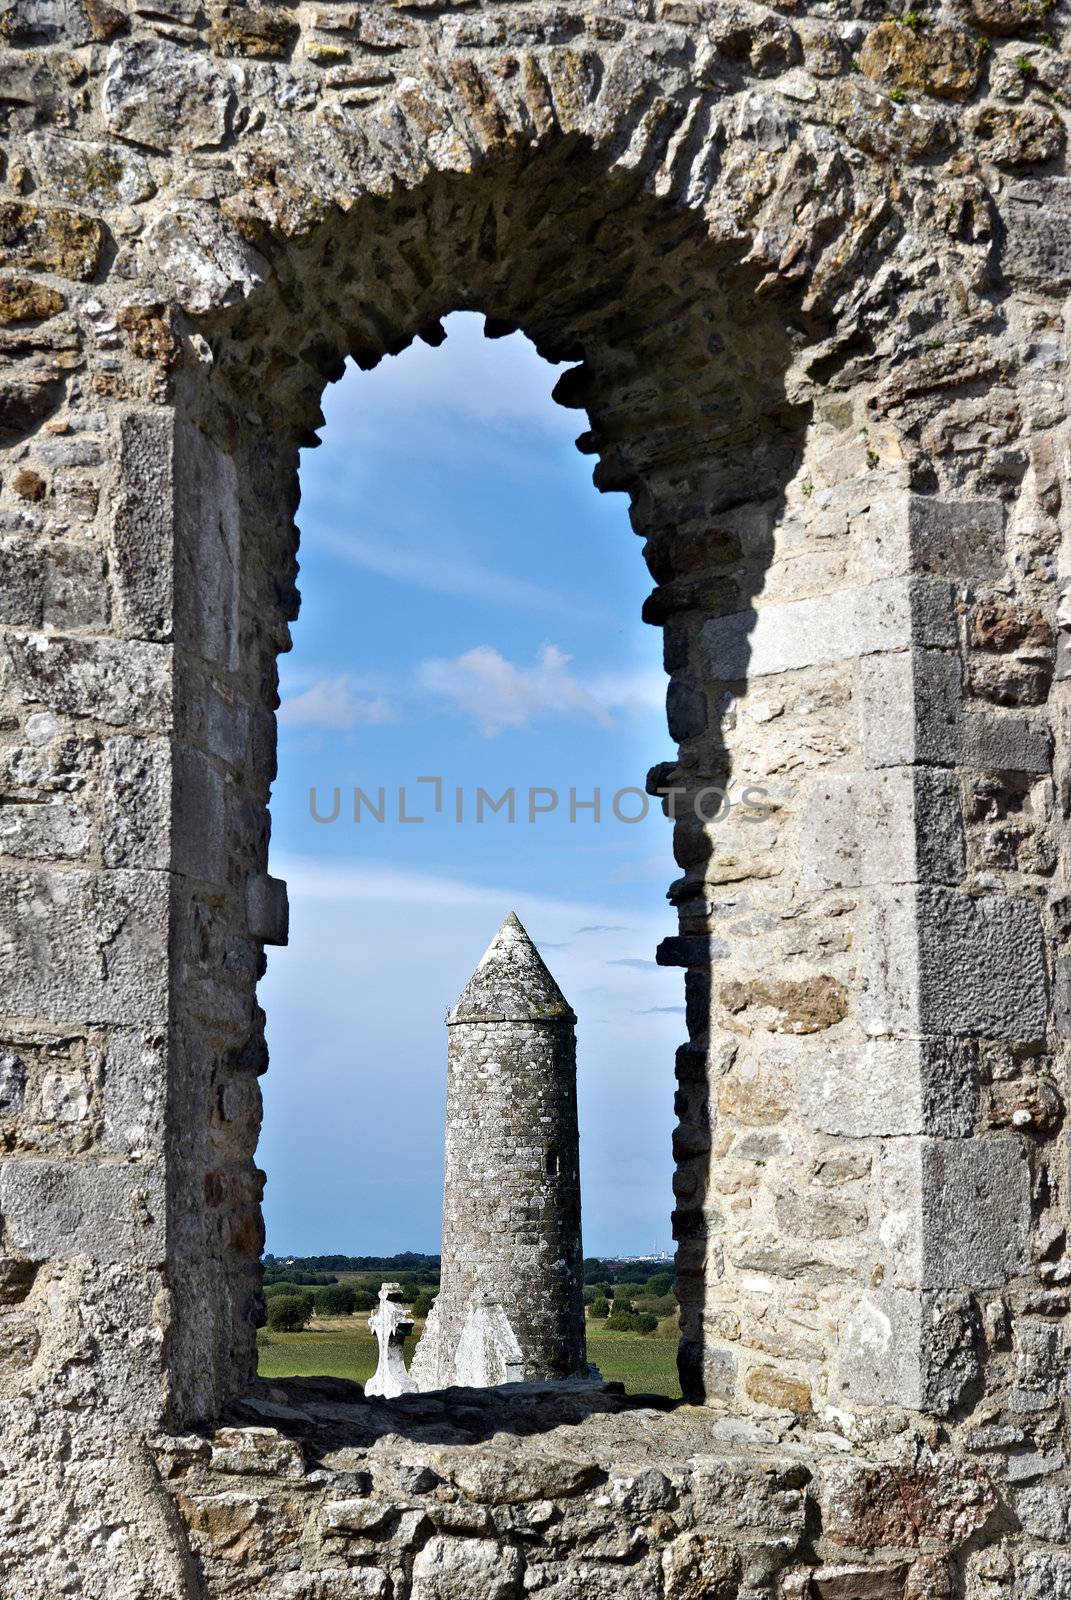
470 613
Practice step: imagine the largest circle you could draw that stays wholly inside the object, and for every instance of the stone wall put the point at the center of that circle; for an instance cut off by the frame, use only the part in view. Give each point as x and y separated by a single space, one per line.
313 1493
808 266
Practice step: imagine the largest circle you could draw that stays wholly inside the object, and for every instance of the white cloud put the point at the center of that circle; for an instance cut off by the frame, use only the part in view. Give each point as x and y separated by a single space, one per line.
498 383
635 693
499 694
332 702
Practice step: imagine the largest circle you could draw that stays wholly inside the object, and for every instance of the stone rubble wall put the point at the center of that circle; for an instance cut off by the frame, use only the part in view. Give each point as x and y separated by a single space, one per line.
808 267
312 1494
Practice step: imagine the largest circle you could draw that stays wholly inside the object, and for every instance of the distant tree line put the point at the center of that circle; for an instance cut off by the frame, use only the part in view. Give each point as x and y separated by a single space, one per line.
407 1261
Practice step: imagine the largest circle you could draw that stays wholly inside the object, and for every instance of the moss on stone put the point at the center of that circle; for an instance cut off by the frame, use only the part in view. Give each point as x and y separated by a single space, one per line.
45 239
25 300
260 34
944 62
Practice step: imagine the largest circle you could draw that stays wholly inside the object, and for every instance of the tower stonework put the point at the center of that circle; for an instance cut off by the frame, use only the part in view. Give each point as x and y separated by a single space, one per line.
511 1302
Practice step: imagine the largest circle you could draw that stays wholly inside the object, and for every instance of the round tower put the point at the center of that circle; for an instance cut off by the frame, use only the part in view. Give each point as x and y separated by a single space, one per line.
510 1305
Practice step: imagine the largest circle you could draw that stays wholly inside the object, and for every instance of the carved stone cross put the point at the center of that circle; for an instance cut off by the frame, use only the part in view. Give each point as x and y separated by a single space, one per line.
392 1324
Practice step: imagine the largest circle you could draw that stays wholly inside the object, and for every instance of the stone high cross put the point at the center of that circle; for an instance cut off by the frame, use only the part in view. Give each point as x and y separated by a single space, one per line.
392 1324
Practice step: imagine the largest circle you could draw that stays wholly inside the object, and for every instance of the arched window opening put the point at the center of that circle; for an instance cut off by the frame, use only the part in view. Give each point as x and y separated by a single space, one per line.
465 726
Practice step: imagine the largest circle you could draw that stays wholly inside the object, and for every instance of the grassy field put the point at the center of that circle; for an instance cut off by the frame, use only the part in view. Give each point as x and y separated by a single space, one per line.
342 1347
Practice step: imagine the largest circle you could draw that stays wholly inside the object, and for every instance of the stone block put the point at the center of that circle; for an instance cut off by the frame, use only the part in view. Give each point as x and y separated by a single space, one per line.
57 830
910 708
143 526
862 620
267 909
1044 1512
89 173
900 1347
156 93
699 1567
136 802
595 1580
446 1569
898 825
200 822
206 548
938 961
76 589
83 946
686 711
206 261
887 1088
955 1213
957 538
64 1097
22 584
1043 1575
120 683
1006 742
329 1583
135 1092
50 239
59 1210
1037 215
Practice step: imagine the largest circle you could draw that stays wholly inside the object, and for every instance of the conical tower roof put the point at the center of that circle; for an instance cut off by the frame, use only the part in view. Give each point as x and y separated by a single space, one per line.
511 983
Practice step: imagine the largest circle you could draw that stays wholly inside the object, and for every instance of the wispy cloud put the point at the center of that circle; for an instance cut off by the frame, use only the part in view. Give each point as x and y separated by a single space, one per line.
660 1011
333 702
635 961
444 573
603 927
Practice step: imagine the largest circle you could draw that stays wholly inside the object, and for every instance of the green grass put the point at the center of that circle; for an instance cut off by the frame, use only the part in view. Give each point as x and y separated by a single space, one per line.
328 1351
646 1363
343 1347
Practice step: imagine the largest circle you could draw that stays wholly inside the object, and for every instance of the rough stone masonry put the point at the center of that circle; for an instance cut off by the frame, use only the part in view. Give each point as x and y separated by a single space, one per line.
510 1305
807 266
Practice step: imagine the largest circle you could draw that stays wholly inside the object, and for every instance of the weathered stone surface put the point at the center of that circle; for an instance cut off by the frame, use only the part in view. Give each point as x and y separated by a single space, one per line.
981 970
25 300
88 173
787 1005
1035 214
155 92
67 1209
698 1567
817 632
446 1568
942 61
262 34
896 826
49 239
207 262
770 1387
1019 136
84 946
58 830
